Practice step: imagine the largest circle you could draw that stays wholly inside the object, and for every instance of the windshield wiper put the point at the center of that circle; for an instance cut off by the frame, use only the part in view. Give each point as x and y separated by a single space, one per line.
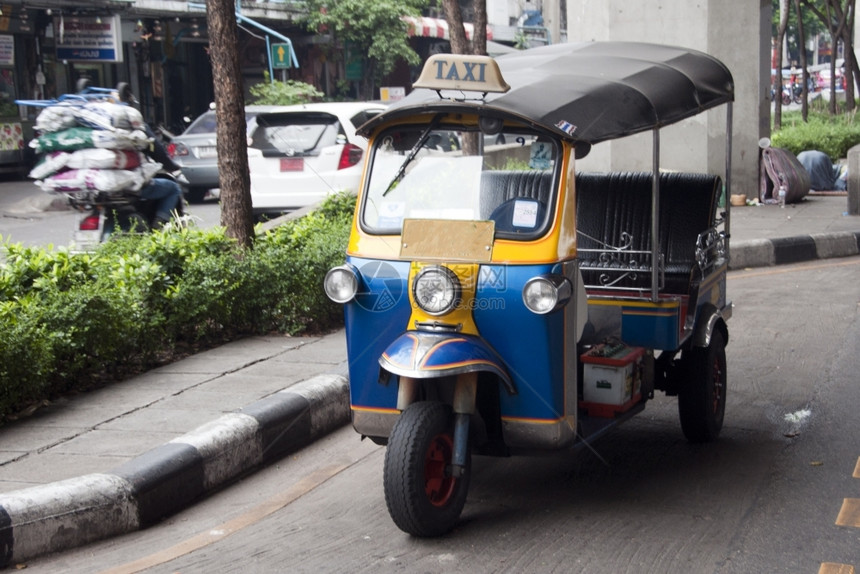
434 123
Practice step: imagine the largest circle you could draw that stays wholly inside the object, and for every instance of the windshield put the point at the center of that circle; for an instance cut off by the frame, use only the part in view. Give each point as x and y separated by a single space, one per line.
297 133
205 123
418 172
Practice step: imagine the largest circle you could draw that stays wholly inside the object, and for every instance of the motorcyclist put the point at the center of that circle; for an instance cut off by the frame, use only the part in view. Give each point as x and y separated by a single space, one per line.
166 192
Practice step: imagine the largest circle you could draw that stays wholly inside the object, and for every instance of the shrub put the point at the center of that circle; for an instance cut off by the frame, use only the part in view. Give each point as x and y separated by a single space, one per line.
283 93
834 135
68 321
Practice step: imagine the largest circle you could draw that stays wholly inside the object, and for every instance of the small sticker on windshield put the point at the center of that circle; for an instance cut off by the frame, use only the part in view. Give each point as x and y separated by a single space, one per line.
391 214
525 213
540 155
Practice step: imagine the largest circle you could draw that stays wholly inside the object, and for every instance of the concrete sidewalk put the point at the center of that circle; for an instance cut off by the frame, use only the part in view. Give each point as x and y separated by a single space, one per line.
117 459
819 227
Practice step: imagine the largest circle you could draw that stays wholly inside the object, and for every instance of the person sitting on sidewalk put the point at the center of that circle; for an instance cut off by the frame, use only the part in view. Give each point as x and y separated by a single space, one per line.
823 174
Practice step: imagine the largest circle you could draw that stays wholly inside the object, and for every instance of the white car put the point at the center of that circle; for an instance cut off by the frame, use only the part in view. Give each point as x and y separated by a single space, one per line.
194 151
302 153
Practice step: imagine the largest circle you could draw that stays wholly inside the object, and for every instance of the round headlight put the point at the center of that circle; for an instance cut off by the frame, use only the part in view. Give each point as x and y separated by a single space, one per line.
436 290
341 284
544 294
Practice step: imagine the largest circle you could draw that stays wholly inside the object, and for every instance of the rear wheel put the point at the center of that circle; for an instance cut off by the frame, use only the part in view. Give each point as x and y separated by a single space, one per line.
702 395
422 496
196 194
131 221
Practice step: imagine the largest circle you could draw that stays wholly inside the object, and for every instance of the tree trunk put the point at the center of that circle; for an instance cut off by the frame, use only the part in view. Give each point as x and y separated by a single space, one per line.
844 32
850 66
801 40
456 31
460 45
780 40
236 213
479 41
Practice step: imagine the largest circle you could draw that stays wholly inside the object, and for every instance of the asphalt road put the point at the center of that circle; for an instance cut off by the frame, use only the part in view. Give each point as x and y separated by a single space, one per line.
763 498
28 216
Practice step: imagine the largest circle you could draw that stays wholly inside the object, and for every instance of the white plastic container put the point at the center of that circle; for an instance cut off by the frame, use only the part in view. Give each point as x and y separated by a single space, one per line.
611 376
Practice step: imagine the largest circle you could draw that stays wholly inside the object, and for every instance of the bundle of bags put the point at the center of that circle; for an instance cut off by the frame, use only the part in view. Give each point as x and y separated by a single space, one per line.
91 146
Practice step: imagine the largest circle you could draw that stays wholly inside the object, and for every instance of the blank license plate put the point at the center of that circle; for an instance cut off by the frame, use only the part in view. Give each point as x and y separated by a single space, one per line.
292 164
205 152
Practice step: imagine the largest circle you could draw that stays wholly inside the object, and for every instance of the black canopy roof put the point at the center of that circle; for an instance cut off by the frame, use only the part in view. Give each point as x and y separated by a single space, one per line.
591 92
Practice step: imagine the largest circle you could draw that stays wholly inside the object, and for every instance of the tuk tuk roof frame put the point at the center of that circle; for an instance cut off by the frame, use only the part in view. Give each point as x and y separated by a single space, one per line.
591 92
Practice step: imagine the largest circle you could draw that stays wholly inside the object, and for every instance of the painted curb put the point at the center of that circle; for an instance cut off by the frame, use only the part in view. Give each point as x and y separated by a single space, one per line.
70 513
787 250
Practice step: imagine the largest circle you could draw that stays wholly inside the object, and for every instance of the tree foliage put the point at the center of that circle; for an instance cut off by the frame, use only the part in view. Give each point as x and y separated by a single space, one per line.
372 28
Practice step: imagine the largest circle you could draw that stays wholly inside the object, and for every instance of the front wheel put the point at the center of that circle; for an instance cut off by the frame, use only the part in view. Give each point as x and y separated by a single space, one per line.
702 396
422 496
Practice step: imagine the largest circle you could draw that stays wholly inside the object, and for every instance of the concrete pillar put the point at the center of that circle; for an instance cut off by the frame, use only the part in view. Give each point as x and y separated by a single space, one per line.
735 31
854 180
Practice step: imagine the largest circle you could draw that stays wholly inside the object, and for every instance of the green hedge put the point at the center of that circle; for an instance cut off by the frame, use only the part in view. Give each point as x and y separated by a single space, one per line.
834 135
73 320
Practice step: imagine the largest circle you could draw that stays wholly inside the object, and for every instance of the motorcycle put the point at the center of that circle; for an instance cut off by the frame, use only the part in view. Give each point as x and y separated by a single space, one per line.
103 213
796 92
92 145
790 93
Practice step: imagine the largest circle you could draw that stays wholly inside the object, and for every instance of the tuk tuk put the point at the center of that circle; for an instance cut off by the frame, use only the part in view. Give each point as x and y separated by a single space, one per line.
498 301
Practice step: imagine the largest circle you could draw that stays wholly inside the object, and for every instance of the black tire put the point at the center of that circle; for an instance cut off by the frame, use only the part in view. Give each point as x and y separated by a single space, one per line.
196 194
422 498
786 99
702 395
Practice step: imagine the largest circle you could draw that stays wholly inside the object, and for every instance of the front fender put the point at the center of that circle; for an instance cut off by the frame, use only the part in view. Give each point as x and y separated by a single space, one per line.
423 355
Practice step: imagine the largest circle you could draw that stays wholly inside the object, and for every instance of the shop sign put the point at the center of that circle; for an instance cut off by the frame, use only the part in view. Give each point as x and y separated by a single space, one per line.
86 39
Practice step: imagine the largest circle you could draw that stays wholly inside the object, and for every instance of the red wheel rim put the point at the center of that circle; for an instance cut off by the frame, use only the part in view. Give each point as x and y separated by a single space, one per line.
438 483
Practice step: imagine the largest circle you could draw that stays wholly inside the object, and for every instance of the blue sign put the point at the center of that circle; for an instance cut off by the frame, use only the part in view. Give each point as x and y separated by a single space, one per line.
88 39
100 55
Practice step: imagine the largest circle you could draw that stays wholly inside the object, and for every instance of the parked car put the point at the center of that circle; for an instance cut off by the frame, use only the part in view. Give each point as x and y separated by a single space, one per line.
194 151
299 155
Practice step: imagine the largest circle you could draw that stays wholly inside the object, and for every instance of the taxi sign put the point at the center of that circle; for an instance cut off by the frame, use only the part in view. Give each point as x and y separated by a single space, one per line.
462 72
